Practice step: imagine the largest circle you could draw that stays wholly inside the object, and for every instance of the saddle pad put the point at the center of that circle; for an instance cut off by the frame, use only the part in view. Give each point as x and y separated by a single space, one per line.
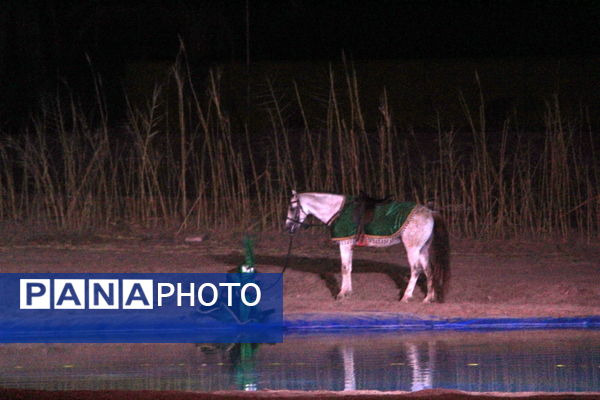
388 220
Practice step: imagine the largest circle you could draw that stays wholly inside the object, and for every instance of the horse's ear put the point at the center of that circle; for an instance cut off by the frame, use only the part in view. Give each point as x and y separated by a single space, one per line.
294 192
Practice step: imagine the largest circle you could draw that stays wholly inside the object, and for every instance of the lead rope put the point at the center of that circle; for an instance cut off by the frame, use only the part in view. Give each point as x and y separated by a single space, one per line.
289 253
286 262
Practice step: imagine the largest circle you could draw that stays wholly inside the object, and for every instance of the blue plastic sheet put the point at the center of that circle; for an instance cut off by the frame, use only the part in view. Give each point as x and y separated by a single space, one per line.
320 323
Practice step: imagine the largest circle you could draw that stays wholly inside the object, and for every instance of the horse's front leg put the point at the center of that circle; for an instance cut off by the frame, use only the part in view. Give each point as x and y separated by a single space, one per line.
346 256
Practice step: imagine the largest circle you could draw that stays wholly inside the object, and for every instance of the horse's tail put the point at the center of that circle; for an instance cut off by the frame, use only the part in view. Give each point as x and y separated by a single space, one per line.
439 256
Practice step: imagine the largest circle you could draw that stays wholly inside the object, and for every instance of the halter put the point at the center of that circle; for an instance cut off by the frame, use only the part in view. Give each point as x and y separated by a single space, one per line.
296 216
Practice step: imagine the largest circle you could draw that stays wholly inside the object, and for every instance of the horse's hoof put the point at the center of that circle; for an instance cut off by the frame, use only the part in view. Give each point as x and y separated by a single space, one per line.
342 296
405 299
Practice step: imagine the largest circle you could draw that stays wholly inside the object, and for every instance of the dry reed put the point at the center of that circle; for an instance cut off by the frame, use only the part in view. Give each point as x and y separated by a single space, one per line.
183 165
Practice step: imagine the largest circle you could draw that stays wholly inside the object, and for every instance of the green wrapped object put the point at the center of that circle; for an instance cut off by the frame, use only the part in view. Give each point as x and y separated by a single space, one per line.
245 274
245 370
388 220
248 265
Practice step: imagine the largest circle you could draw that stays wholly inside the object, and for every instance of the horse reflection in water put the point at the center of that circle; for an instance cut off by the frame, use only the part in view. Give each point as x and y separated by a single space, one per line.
347 352
420 358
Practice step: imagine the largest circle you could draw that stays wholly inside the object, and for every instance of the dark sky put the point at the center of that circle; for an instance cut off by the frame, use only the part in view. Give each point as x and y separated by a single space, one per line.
388 29
45 42
306 30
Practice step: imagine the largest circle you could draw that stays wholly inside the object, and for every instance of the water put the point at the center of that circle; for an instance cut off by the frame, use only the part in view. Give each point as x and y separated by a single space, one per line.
553 361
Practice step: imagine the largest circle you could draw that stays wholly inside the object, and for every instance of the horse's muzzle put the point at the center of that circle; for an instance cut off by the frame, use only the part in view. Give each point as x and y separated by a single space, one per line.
291 227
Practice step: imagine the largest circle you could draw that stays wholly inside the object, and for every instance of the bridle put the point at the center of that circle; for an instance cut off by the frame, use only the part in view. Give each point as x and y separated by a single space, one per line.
296 218
298 209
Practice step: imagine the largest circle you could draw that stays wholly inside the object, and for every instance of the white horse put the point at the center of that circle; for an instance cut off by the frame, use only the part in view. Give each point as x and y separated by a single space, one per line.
424 236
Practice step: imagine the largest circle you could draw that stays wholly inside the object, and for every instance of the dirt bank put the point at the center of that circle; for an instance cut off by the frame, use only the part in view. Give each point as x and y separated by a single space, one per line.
489 279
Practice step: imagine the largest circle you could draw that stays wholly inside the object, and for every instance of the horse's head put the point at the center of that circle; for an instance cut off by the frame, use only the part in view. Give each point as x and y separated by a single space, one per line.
295 214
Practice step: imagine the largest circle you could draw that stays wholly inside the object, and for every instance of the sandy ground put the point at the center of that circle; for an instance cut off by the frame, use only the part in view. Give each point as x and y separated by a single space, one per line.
489 279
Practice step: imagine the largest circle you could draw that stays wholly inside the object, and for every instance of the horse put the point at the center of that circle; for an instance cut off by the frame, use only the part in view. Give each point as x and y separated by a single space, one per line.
423 234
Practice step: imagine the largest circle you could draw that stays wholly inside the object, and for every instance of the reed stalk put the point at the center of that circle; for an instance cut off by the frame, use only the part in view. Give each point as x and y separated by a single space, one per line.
180 163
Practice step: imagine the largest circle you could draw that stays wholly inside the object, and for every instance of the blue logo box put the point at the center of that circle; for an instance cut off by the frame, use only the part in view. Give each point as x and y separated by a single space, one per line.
141 308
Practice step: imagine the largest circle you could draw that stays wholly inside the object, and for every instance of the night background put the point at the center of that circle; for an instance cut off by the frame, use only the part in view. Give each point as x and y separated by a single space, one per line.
153 136
46 43
487 107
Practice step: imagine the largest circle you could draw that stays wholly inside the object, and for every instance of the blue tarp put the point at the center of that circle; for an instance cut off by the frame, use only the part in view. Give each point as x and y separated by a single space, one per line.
320 323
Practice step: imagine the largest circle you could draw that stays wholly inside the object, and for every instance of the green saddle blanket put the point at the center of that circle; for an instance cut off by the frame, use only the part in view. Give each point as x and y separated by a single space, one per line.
388 219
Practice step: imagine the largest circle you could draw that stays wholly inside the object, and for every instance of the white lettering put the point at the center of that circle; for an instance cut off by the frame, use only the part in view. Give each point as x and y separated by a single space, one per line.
181 293
243 294
229 285
201 297
162 294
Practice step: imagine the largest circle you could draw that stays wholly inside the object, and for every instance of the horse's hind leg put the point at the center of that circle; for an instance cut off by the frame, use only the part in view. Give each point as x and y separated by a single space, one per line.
424 262
415 270
346 256
416 237
419 262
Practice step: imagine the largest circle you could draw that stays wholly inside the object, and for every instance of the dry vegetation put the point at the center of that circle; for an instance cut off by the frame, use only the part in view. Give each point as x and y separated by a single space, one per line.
180 163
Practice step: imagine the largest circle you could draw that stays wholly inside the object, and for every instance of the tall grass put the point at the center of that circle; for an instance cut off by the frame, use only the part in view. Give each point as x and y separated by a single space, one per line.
178 162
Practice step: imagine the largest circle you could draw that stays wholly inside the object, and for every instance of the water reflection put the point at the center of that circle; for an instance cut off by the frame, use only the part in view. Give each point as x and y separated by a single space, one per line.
349 372
567 361
419 356
242 362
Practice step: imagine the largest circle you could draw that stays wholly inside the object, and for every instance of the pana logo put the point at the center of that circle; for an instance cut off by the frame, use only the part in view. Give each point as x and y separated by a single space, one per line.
137 294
